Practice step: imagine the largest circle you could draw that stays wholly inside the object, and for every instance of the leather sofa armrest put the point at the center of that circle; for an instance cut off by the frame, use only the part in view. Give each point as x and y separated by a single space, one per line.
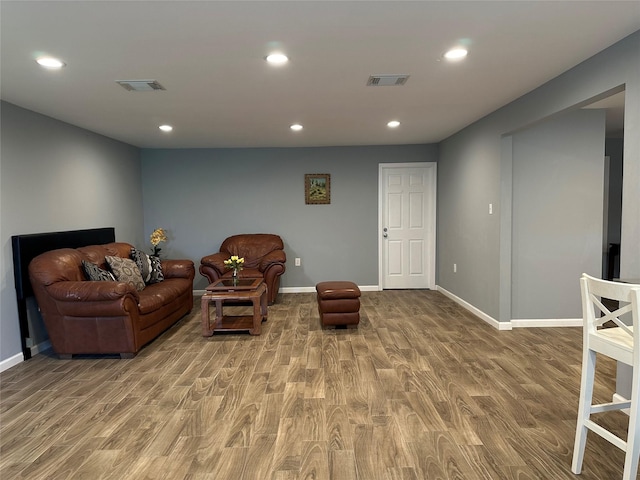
276 256
88 291
178 269
216 261
94 299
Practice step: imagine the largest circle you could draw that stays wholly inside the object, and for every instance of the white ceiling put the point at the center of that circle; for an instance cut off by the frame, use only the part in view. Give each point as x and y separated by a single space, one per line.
209 55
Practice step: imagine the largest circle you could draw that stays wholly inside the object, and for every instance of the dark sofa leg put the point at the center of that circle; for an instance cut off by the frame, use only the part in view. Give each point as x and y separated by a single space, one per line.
127 355
64 356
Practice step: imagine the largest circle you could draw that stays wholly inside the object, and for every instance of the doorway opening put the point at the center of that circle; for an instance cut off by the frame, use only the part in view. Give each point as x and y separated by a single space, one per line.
612 204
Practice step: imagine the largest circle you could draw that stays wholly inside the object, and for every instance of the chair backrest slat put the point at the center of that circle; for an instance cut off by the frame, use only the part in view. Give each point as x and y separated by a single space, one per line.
595 291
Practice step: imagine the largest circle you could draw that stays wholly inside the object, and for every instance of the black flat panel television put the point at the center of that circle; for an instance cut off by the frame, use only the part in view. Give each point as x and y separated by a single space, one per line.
27 247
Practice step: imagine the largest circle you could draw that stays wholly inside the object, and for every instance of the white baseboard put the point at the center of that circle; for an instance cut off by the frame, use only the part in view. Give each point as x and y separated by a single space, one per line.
546 322
41 347
11 362
297 289
514 323
19 357
477 312
363 288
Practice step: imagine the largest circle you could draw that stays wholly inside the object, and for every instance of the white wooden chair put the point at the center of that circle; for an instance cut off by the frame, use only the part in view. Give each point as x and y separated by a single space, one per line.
620 343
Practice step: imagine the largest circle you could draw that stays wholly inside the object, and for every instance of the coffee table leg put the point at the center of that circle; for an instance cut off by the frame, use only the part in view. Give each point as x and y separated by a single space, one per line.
263 304
207 331
218 314
257 317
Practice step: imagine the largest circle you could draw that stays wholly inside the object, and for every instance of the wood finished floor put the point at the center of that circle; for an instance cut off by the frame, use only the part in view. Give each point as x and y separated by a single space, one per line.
421 389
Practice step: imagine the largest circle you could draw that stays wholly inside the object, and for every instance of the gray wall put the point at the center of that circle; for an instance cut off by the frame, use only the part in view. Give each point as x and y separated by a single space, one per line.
202 196
474 169
558 183
56 177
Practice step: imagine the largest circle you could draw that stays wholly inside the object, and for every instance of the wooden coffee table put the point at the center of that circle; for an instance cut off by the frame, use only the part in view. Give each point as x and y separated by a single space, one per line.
225 289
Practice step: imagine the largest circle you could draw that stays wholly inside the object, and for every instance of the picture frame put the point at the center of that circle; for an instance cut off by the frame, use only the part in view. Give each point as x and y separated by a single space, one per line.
317 188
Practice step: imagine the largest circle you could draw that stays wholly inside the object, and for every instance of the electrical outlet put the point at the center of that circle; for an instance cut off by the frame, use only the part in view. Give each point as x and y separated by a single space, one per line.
298 262
491 209
455 268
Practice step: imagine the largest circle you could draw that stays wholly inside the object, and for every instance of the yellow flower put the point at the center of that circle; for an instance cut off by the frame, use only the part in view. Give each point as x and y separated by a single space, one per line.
158 236
234 262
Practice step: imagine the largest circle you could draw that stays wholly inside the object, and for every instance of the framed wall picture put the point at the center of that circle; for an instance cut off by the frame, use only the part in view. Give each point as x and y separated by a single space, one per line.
317 188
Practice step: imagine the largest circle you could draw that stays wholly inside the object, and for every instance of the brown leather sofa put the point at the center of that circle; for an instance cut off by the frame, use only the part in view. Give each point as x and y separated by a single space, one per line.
106 317
263 255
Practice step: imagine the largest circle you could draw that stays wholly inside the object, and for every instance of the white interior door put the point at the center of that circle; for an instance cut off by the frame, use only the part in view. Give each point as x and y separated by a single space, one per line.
407 207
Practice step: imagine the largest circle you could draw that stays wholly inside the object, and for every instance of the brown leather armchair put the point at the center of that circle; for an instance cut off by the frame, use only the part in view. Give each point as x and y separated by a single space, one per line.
263 254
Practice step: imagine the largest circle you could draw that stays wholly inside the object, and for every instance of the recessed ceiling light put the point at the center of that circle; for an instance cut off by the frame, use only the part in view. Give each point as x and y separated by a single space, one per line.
50 62
393 124
457 53
277 58
296 127
165 128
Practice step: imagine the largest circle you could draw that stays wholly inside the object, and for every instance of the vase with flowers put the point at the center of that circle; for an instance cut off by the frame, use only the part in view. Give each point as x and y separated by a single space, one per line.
158 236
236 264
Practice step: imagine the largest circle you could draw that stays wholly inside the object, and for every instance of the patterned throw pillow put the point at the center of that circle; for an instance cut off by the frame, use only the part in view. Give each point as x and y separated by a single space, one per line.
126 270
97 274
150 267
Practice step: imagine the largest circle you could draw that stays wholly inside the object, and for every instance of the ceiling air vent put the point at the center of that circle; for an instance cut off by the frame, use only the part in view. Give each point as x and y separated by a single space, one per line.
387 80
140 85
